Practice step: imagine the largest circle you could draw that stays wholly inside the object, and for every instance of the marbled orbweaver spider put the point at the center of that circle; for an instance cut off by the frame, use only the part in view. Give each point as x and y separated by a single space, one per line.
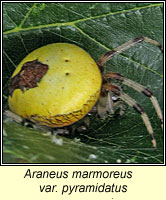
58 84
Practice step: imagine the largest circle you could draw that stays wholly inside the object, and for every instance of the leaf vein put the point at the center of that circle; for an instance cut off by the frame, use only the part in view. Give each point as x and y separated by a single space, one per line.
72 23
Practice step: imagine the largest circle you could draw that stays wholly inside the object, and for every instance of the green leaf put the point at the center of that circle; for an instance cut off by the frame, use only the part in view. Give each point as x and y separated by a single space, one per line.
97 28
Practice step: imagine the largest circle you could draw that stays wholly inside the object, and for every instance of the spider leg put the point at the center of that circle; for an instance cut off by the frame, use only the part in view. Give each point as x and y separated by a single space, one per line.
132 103
13 116
107 56
140 88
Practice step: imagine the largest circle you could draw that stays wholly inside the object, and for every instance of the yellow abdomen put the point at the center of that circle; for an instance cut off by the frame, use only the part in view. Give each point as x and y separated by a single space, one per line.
66 93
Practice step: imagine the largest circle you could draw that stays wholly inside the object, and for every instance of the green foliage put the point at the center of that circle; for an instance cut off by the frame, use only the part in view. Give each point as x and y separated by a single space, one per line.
97 28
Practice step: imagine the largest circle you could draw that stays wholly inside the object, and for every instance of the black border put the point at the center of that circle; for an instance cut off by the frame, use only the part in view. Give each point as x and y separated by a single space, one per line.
81 164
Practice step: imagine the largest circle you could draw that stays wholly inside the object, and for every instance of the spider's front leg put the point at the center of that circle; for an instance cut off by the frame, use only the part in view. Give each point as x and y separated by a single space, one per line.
127 45
131 102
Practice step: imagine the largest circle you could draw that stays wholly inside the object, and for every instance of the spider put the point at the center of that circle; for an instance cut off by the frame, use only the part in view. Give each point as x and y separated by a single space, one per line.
65 84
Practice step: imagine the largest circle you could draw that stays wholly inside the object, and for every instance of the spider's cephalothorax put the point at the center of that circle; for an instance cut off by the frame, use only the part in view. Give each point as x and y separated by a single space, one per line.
108 89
